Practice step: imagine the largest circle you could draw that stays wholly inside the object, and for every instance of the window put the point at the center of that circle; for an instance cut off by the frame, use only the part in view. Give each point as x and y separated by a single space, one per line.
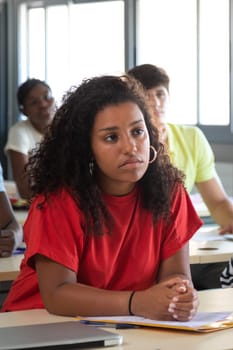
64 41
182 37
72 41
214 67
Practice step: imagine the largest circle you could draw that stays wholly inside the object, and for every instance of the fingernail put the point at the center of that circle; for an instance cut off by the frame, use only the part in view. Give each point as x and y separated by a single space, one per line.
172 305
175 299
174 316
170 310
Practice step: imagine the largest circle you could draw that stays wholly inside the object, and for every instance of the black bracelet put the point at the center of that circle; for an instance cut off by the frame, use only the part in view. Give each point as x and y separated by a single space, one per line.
130 302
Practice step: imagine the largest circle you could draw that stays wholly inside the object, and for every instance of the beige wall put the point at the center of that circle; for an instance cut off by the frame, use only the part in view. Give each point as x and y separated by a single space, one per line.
223 153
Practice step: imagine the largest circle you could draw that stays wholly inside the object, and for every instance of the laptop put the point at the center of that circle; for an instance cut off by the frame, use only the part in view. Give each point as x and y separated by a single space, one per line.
61 335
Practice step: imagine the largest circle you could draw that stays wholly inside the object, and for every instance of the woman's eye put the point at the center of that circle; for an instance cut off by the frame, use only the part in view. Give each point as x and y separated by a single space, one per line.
48 97
160 94
111 138
138 131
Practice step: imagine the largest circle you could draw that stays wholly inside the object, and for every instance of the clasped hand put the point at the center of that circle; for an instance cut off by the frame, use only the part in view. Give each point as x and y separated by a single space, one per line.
174 299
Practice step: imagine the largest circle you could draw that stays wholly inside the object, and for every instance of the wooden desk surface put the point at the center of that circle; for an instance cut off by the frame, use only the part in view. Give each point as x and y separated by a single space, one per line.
200 252
210 252
207 246
150 338
9 267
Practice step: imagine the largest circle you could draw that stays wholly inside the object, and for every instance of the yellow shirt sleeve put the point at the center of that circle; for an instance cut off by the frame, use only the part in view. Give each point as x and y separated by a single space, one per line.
191 152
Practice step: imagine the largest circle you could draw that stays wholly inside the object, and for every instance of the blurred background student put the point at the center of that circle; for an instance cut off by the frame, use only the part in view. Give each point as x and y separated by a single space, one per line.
36 102
190 152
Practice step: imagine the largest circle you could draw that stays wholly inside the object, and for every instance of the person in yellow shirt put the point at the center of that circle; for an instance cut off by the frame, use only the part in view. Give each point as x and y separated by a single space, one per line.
190 152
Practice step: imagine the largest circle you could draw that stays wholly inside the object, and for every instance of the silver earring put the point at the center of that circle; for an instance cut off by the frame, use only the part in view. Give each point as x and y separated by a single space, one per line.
154 156
91 167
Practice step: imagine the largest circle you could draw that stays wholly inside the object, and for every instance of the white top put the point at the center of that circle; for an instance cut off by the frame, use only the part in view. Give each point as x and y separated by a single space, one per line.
22 137
2 188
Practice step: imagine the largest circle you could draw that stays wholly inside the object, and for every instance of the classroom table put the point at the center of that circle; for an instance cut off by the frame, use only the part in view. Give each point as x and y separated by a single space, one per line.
150 338
12 193
207 246
9 267
201 251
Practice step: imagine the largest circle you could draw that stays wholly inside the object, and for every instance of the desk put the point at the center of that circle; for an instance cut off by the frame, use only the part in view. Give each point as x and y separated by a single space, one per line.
210 252
9 267
204 250
220 251
12 193
148 338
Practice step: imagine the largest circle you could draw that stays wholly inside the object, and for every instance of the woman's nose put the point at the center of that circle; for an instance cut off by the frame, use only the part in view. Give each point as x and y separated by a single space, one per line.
157 102
128 145
45 102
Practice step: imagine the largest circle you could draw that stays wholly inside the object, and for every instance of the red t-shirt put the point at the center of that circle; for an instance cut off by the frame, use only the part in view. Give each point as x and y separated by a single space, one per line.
128 259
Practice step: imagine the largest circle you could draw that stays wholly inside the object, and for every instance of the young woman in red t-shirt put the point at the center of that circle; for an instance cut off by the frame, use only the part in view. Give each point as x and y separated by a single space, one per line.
110 220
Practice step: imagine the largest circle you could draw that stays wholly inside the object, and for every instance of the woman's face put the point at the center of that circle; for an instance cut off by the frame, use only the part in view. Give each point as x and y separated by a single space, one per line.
39 106
158 101
120 146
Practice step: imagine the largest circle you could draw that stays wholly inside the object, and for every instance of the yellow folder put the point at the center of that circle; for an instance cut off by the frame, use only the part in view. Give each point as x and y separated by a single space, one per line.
203 322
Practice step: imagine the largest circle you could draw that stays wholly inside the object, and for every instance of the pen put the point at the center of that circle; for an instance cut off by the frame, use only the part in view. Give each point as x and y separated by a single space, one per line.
110 325
18 251
125 326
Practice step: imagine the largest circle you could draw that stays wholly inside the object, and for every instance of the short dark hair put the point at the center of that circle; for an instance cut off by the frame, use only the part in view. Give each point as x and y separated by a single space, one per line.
150 76
25 88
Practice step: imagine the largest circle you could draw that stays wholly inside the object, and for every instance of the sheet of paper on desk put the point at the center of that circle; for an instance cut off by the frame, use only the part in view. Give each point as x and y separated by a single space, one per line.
208 233
202 322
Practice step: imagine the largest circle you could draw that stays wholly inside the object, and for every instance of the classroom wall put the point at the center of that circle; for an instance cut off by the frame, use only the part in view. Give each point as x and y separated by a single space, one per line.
225 172
223 152
224 165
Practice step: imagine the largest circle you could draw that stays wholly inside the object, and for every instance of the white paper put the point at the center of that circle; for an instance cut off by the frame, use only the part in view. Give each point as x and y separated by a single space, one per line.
210 233
199 320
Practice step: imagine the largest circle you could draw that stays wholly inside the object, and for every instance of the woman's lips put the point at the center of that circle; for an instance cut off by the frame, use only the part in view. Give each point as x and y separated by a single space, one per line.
131 162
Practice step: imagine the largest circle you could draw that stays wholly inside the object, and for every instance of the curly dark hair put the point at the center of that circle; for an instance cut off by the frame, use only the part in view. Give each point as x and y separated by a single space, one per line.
63 157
